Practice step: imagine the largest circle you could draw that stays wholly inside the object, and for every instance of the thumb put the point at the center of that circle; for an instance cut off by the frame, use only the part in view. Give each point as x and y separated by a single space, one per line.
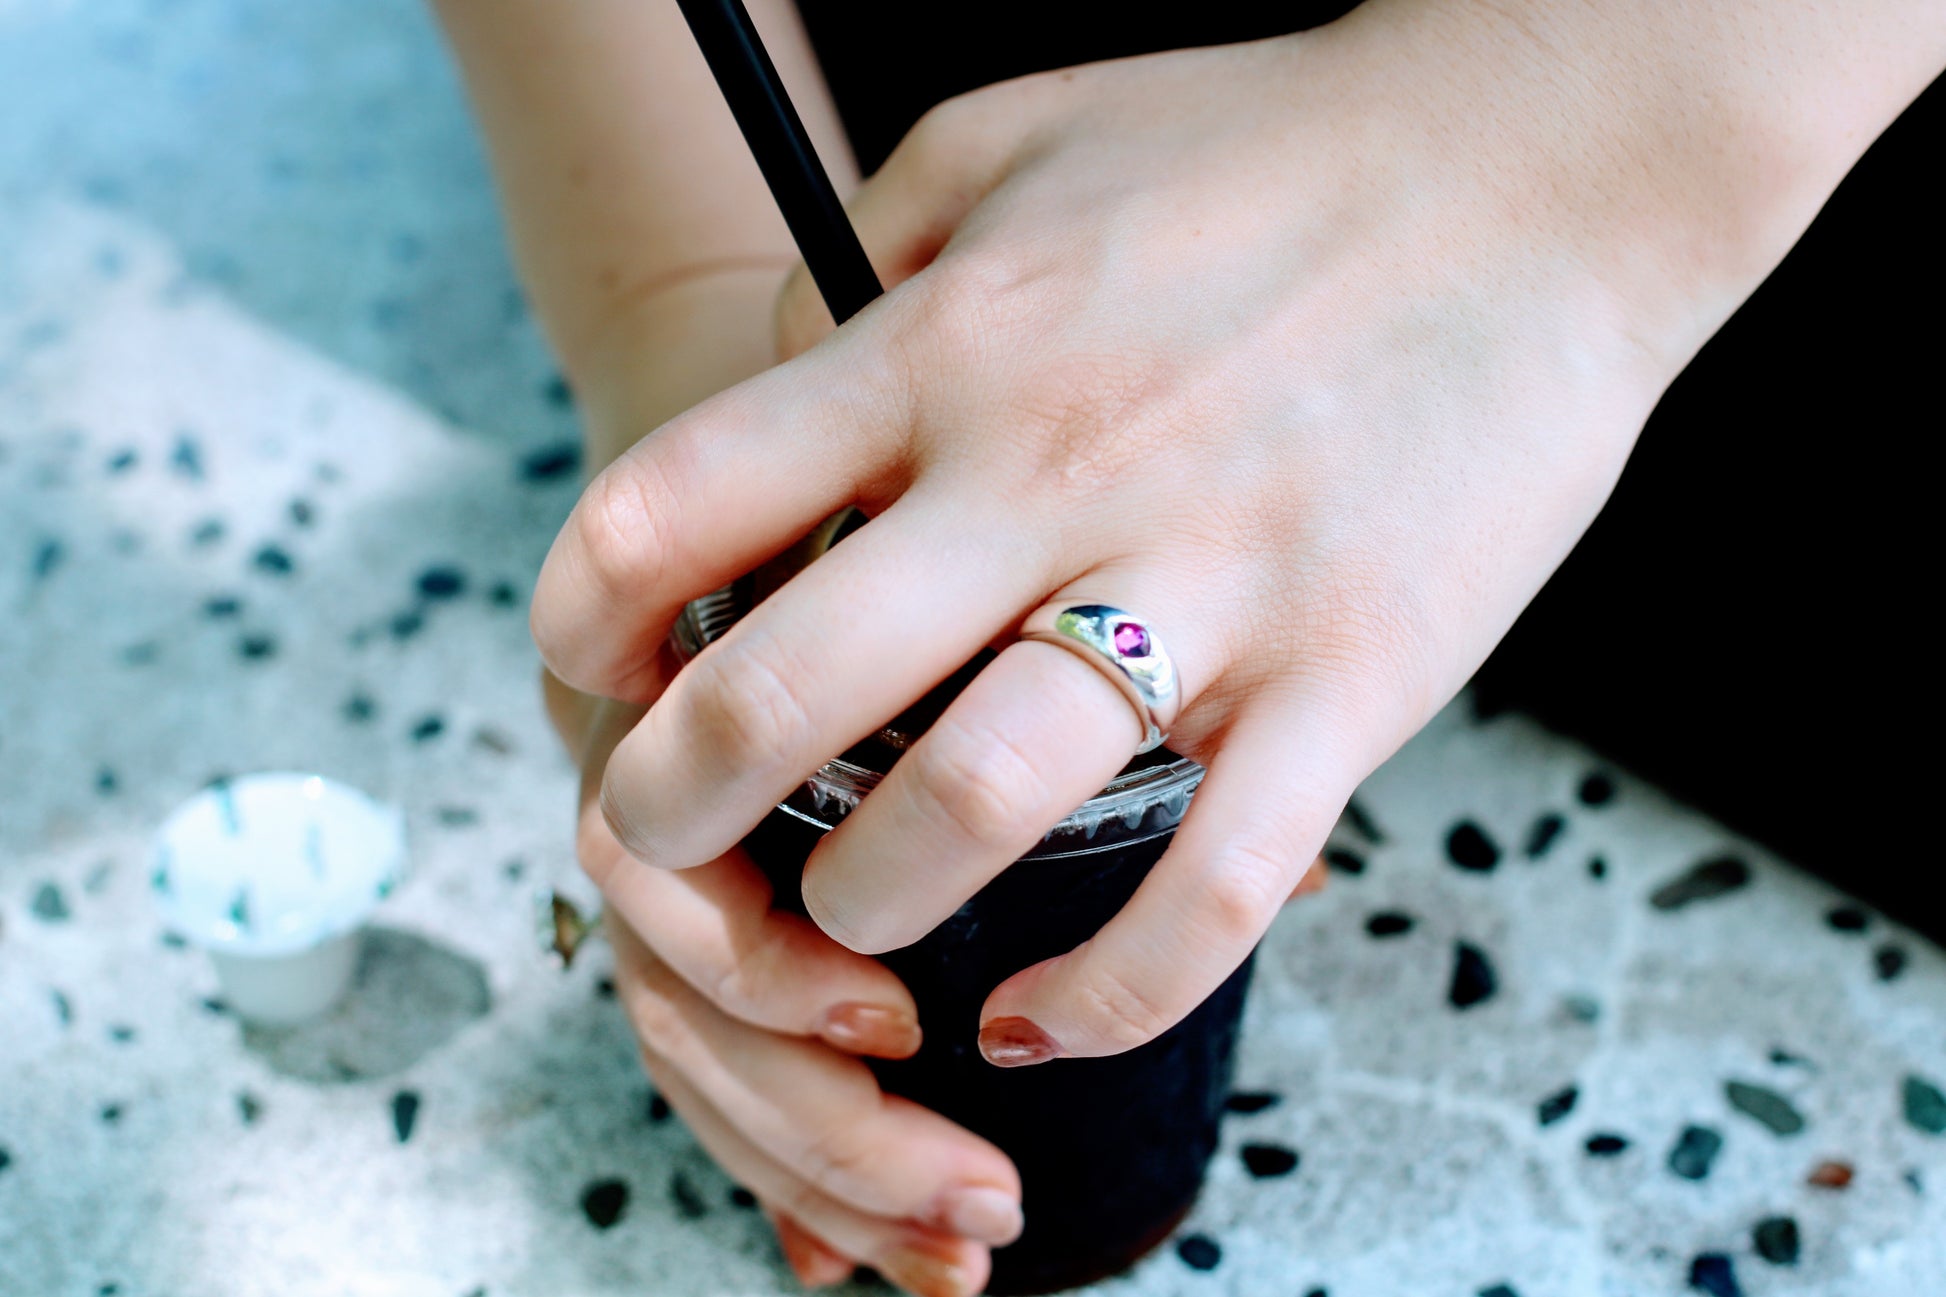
910 207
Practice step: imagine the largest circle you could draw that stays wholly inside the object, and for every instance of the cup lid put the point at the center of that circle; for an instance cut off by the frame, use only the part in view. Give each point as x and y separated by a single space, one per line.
275 863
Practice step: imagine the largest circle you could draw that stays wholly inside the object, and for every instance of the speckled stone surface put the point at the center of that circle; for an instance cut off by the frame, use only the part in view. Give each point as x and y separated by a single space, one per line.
280 450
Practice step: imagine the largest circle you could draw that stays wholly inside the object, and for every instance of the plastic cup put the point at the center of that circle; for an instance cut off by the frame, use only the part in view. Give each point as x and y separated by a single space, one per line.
1111 1151
274 875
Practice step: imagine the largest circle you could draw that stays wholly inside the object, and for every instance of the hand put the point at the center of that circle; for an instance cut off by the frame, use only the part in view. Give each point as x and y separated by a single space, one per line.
1318 352
749 1018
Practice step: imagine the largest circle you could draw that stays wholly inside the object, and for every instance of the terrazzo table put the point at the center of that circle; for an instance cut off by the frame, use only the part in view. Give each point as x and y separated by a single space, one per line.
280 451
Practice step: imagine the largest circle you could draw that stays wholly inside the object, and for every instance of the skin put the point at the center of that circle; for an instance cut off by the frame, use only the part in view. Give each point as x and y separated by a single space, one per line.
1321 352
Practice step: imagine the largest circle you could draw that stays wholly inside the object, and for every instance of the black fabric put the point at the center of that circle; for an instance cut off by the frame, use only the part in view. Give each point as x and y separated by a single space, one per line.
1744 624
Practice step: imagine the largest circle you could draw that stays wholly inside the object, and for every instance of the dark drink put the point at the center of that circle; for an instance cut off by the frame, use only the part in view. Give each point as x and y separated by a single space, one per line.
1111 1151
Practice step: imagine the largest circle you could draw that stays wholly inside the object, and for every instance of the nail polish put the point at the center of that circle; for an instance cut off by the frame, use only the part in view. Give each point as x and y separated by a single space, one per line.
980 1212
1016 1042
871 1029
925 1274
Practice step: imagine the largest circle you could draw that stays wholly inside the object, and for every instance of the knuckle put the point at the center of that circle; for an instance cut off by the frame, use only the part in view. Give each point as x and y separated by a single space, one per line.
838 1158
1242 887
620 540
746 706
976 782
1123 1014
659 1025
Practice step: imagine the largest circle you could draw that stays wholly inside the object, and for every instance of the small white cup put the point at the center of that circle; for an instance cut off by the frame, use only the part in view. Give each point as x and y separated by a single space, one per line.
274 875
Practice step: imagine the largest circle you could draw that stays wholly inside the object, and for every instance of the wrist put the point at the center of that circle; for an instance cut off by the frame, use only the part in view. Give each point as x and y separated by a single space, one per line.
670 349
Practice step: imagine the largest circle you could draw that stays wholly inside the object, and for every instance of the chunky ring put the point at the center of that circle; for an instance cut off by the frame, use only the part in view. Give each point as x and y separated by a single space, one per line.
1125 650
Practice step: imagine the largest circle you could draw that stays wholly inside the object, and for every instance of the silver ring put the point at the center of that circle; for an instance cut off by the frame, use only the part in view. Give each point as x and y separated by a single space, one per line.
1125 650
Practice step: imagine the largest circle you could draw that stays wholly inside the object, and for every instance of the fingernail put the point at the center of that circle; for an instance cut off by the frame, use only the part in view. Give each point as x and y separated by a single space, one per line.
1016 1042
981 1212
871 1029
926 1275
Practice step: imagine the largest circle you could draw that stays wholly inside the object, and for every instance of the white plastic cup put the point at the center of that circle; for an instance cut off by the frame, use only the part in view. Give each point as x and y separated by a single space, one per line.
275 875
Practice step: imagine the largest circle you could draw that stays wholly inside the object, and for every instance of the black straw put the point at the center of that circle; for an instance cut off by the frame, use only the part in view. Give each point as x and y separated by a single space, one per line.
783 150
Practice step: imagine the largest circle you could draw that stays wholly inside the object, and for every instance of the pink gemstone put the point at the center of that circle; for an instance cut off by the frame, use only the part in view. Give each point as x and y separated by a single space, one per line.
1131 640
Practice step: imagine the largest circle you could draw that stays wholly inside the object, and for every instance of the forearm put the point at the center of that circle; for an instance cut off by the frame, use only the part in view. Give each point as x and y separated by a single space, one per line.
622 176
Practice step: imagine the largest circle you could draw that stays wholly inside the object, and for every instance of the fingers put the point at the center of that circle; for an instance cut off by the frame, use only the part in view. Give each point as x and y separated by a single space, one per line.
1036 734
927 1262
714 927
842 648
1314 880
820 1115
812 1260
708 496
948 162
1257 822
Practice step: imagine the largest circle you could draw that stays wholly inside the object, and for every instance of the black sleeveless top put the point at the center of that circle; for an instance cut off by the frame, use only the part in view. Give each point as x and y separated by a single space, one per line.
1743 623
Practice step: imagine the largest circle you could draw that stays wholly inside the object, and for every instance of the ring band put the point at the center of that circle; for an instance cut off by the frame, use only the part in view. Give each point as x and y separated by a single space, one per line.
1123 648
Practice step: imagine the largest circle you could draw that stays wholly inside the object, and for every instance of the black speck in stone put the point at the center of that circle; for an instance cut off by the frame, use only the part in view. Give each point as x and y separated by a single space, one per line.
1388 923
603 1201
689 1203
302 512
1914 1181
107 783
404 625
1889 961
274 560
1597 867
1249 1101
207 532
121 1033
550 462
47 556
1777 1241
214 1006
175 940
1470 848
1199 1252
358 708
108 1290
1925 1106
49 905
605 988
1473 977
1695 1152
256 647
501 594
558 393
489 739
742 1197
1713 1273
1605 1145
405 1112
1767 1107
1702 882
6 1158
514 869
110 1113
1541 836
219 606
141 654
1360 819
248 1107
1847 918
1582 1008
123 460
1499 1290
1558 1105
187 458
457 817
1318 1292
427 728
1341 861
1596 790
1784 1058
1267 1161
442 582
658 1108
63 1010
